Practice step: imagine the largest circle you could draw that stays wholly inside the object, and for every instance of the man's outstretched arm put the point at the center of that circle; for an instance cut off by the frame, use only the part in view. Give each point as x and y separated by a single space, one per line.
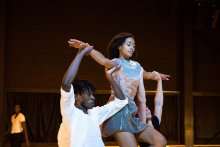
71 73
117 90
117 104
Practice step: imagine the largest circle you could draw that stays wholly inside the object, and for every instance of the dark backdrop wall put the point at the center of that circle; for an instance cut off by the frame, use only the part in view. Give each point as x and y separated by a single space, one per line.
37 52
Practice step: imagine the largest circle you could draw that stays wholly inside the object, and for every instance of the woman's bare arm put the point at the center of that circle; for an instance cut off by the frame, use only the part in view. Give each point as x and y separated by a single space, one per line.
96 55
102 60
151 76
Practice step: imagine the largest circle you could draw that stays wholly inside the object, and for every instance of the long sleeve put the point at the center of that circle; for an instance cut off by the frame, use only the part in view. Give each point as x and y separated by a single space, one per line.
108 110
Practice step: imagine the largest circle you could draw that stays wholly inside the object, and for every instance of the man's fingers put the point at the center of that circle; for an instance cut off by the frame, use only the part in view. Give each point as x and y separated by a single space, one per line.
110 71
90 47
113 69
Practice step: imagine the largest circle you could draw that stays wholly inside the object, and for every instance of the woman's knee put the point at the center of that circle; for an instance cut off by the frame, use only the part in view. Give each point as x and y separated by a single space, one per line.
161 141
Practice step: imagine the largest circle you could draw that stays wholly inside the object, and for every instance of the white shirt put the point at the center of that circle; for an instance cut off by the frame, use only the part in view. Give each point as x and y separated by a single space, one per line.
82 130
93 135
17 123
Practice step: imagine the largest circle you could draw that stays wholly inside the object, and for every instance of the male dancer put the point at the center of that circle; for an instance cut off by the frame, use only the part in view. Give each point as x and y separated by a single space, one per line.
80 126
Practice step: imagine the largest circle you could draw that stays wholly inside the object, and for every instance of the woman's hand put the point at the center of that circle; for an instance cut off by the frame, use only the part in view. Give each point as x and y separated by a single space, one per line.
77 44
152 75
164 76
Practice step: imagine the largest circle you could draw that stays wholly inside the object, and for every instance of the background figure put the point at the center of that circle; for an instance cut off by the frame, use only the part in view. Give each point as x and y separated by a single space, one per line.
18 128
154 121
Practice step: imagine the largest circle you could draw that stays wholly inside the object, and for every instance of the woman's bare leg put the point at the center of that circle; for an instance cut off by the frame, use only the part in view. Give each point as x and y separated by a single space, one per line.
126 139
152 136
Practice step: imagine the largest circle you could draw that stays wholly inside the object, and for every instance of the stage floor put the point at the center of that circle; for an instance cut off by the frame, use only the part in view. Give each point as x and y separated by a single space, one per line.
55 145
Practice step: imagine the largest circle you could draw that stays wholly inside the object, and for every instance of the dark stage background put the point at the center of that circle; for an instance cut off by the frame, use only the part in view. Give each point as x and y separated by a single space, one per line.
176 37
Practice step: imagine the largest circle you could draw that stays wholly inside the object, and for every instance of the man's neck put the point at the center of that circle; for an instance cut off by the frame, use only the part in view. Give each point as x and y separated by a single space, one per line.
83 109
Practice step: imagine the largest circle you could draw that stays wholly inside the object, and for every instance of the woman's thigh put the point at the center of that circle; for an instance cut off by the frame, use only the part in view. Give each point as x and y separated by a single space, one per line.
151 136
125 139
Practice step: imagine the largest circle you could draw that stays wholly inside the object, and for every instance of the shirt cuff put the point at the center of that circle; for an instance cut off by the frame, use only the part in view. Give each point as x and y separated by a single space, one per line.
125 101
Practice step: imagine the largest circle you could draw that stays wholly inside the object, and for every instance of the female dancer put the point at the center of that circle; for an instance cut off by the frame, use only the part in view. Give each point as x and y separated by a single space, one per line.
124 125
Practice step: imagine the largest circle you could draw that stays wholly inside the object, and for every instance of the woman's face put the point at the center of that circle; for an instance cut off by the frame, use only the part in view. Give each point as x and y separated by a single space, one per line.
126 50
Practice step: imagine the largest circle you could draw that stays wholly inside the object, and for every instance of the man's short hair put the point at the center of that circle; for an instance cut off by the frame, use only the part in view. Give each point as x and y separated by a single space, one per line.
83 86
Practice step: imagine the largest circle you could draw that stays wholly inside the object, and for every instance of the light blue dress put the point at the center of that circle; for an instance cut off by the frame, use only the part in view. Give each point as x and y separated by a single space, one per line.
128 77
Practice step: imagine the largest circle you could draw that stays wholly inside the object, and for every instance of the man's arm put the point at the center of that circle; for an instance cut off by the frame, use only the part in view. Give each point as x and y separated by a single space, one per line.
25 133
117 90
114 106
71 73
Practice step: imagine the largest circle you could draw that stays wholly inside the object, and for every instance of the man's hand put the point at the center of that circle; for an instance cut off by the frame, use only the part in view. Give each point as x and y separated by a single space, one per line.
108 72
77 44
117 90
86 50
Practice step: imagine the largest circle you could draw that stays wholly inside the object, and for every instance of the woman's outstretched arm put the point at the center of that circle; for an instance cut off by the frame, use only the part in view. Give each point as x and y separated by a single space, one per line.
102 60
96 55
152 75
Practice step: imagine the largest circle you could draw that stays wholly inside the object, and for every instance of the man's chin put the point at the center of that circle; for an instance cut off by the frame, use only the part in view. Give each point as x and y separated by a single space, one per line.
90 107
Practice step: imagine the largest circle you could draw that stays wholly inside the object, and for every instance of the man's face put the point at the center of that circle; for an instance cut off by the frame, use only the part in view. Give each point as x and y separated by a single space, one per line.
87 101
17 109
